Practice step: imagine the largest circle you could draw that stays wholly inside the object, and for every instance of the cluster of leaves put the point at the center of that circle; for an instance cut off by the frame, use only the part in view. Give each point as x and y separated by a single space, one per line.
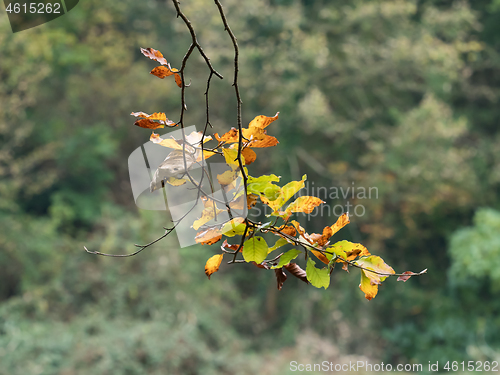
242 192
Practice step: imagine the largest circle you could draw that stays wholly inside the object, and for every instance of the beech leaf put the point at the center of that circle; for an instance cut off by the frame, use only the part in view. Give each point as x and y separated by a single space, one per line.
320 278
280 277
288 257
208 236
255 249
213 264
296 271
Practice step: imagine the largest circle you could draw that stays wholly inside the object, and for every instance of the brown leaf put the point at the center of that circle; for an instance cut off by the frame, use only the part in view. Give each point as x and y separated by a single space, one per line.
154 55
209 236
249 155
213 264
406 277
280 277
260 265
296 271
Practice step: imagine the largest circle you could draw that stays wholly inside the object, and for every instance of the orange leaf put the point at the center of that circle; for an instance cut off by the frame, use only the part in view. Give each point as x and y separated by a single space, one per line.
289 229
230 136
177 77
262 121
321 239
148 124
268 141
320 256
161 72
342 221
213 264
208 237
249 155
252 200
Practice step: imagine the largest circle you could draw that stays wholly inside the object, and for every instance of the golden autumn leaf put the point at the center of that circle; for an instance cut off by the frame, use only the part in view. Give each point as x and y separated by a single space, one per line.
254 136
155 116
213 264
341 222
304 204
209 212
155 121
263 121
208 237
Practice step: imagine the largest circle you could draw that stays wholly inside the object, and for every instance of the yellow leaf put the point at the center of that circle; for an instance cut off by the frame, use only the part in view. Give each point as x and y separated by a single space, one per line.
304 204
213 264
208 213
368 288
176 181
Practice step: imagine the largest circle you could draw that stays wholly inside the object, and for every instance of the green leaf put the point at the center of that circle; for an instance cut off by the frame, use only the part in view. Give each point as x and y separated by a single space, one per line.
255 250
281 242
234 227
263 186
287 257
317 277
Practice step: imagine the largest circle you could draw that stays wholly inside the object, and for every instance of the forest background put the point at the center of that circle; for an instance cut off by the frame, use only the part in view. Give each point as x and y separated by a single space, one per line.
398 95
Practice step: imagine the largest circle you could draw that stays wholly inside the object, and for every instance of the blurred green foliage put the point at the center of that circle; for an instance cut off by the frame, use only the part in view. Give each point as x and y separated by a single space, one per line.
400 95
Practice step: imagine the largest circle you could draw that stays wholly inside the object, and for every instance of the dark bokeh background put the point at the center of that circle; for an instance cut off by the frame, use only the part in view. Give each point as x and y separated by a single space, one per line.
397 95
